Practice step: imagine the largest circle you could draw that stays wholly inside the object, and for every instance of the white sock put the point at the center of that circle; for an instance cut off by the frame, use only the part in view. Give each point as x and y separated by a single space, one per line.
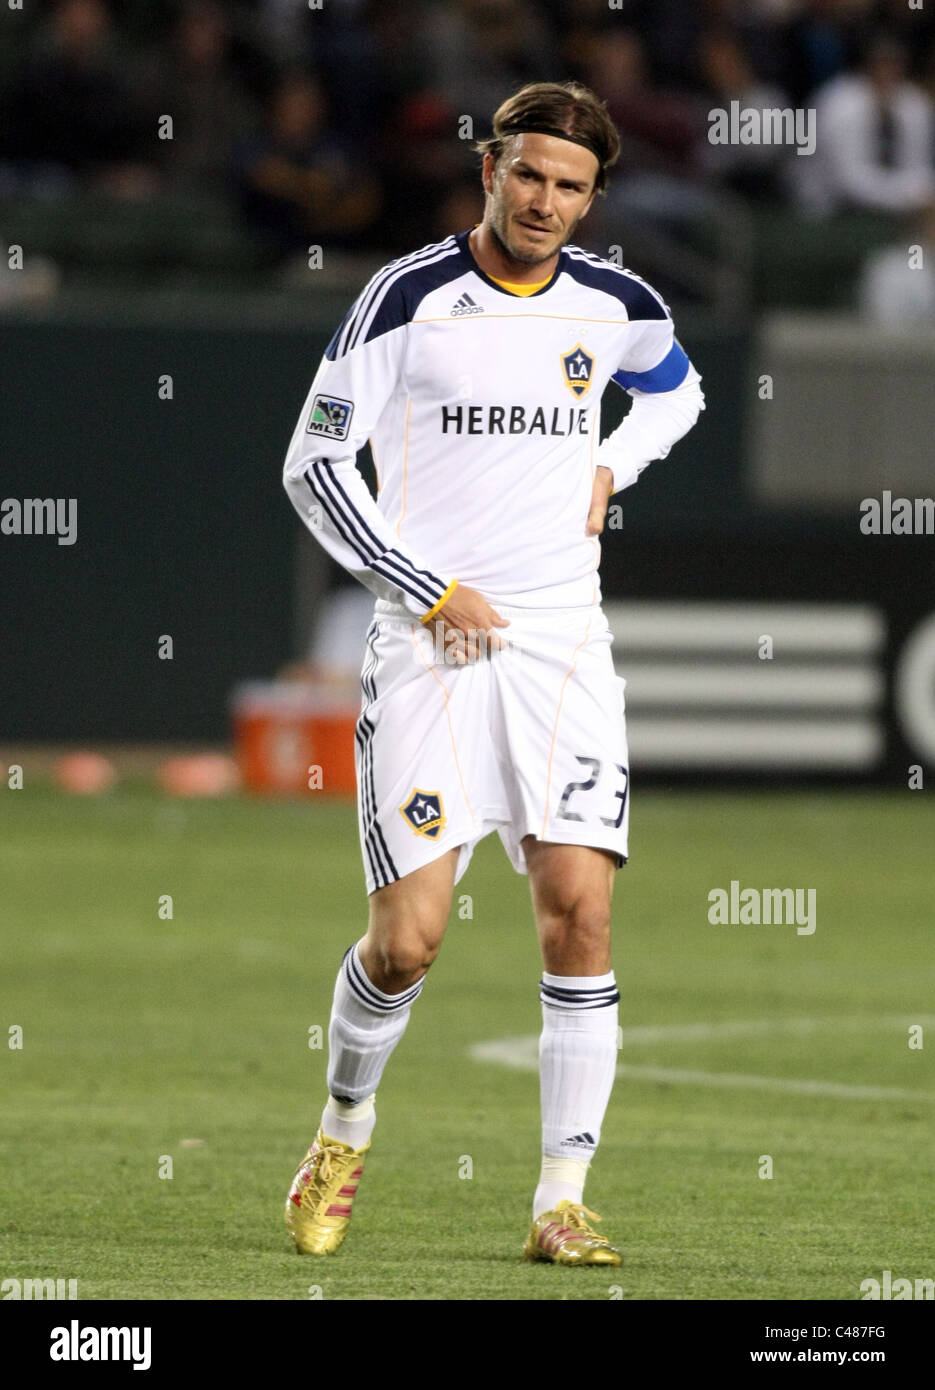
350 1124
365 1026
559 1178
577 1061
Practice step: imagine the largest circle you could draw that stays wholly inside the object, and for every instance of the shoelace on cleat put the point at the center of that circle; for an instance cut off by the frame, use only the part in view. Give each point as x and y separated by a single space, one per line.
577 1217
321 1171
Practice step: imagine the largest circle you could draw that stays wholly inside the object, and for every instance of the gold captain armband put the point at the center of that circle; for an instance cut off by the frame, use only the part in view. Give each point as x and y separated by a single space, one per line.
427 617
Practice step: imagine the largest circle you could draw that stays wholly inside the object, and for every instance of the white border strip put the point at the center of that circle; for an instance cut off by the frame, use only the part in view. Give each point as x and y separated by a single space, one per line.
522 1054
830 743
822 629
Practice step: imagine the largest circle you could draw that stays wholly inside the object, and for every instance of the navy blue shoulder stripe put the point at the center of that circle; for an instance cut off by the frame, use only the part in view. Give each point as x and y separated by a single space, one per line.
638 298
393 295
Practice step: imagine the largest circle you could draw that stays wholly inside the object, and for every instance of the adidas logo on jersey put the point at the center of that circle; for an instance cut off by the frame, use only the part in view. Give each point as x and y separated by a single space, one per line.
465 305
579 1141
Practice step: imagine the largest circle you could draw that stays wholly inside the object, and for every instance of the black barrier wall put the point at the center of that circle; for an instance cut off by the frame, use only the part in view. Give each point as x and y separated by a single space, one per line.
182 525
873 598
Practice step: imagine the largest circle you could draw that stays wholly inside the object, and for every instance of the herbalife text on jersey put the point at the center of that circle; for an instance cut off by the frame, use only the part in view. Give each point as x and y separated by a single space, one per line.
770 125
513 419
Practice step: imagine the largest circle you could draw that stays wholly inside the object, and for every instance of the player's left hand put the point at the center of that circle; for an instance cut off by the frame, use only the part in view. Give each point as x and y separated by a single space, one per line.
600 496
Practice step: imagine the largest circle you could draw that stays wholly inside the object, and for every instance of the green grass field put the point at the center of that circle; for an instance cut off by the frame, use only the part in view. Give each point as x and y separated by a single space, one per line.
141 1033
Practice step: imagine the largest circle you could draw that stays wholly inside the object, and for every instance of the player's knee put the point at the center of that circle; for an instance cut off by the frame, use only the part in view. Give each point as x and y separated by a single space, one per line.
583 923
398 961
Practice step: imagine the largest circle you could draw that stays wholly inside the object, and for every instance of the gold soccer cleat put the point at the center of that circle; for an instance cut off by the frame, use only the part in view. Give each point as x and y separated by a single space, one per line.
564 1237
318 1208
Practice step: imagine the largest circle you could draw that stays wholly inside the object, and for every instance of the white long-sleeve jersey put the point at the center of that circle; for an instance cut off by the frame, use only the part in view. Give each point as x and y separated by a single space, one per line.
482 408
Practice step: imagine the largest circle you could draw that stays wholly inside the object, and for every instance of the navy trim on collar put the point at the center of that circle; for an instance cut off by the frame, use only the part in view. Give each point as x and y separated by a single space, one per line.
468 256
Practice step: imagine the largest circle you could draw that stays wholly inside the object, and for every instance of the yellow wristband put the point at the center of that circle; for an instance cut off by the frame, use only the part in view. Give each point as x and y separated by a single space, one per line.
444 599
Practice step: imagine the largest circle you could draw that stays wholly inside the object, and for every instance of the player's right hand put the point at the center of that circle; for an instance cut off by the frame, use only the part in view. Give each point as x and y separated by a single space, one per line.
468 624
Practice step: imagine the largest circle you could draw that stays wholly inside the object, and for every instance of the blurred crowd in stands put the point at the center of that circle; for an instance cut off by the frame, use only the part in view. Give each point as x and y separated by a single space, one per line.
343 124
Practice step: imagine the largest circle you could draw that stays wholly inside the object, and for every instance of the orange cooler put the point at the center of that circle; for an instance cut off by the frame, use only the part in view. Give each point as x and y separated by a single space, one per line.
295 738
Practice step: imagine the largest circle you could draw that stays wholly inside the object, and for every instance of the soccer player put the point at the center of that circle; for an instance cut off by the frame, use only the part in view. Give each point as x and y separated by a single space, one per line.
476 367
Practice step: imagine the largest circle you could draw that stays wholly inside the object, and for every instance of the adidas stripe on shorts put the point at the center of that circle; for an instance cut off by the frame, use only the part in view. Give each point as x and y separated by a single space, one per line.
530 740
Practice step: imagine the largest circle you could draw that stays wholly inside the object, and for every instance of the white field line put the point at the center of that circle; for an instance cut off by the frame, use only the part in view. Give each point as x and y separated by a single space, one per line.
523 1054
758 1027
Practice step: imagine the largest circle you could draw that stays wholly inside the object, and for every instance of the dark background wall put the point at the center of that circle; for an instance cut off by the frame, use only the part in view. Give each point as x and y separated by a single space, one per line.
183 526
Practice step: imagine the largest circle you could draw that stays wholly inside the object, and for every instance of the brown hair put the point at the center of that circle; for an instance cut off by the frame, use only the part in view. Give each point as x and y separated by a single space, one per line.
566 109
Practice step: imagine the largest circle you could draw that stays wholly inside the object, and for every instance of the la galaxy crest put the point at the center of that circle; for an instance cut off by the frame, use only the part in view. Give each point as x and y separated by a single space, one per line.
578 367
425 813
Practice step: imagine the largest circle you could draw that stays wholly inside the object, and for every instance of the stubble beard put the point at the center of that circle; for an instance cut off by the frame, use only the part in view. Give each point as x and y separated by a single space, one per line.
497 223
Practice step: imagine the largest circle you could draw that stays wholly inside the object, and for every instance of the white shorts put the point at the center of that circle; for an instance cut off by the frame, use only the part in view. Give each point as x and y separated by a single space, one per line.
530 740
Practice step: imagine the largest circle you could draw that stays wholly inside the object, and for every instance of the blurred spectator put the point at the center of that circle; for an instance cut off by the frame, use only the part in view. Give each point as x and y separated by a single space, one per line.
479 51
283 22
461 207
297 183
194 82
913 22
379 63
71 111
673 29
654 182
658 126
728 75
421 158
822 41
39 279
875 139
897 284
366 54
927 71
344 126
